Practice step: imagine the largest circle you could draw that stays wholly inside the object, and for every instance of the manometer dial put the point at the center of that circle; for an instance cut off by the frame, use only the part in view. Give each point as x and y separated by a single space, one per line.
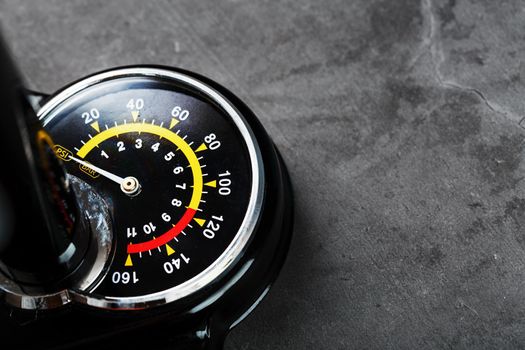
177 167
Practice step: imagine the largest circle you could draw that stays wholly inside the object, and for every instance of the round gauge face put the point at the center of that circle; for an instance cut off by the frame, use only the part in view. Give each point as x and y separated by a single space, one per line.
176 165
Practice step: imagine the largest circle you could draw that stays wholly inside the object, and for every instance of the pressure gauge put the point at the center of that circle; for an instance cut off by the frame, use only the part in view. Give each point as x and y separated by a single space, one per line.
197 197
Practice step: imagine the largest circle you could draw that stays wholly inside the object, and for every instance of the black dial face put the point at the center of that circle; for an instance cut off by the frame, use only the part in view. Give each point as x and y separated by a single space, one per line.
174 169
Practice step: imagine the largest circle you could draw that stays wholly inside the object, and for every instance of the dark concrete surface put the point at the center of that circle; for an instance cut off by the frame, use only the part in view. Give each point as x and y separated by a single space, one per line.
400 123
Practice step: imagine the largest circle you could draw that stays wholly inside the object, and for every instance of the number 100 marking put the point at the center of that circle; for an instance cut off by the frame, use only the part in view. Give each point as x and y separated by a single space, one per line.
225 183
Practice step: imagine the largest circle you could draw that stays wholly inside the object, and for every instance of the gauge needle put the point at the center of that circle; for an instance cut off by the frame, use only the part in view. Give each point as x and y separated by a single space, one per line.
102 172
129 185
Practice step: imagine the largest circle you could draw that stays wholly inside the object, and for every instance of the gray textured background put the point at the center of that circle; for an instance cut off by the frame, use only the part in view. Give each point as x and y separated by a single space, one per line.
400 123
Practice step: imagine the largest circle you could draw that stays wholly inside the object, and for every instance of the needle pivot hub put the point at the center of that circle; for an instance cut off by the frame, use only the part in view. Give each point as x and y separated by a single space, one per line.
130 186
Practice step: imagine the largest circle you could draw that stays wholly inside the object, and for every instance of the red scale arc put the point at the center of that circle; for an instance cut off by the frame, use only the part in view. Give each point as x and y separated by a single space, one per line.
165 237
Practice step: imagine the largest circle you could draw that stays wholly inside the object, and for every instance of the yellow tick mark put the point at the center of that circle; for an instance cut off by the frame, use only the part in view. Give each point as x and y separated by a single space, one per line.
202 147
95 126
200 221
135 115
211 183
128 261
169 250
173 122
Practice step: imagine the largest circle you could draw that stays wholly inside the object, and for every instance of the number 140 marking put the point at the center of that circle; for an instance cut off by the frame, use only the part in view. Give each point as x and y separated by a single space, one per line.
175 263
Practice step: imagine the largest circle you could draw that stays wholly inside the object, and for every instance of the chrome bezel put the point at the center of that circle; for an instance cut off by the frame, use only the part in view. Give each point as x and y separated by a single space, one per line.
239 243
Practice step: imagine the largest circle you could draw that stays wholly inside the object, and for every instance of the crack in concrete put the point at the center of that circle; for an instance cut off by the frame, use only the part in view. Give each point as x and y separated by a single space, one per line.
432 41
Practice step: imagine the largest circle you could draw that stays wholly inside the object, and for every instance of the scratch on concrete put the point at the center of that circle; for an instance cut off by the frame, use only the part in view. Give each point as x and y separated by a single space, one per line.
432 41
461 304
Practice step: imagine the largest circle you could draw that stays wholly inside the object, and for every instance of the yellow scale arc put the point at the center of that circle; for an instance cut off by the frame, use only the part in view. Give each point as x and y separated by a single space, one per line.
163 133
